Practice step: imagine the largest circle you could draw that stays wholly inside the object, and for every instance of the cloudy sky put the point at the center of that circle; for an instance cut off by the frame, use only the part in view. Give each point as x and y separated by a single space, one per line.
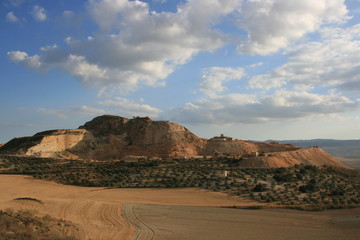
251 69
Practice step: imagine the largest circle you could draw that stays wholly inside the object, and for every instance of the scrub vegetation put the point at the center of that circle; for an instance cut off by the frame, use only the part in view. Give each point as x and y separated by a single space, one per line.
301 186
25 225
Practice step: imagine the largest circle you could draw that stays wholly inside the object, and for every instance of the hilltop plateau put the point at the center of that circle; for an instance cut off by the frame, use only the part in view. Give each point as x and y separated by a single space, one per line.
111 137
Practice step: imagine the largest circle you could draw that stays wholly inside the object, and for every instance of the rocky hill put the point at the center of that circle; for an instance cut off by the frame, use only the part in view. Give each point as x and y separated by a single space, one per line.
110 137
113 137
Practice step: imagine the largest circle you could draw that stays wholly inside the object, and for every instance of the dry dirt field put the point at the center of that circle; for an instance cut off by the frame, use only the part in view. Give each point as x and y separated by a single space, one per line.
212 223
98 213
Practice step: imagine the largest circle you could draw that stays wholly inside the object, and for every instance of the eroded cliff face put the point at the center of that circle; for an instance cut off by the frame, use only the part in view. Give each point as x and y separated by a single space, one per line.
112 137
54 143
117 137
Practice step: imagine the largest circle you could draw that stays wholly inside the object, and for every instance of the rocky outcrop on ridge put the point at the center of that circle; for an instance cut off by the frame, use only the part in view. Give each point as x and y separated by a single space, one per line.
112 137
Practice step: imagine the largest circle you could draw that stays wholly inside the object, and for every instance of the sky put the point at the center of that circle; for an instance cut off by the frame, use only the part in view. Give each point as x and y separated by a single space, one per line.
249 69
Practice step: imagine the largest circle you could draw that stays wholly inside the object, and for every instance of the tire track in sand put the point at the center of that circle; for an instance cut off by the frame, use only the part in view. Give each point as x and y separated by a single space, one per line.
143 231
100 220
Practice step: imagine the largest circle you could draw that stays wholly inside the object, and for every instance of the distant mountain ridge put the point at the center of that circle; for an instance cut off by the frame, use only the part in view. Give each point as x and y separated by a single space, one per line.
113 137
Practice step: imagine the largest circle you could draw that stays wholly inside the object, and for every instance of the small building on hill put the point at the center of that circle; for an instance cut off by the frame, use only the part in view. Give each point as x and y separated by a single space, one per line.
222 138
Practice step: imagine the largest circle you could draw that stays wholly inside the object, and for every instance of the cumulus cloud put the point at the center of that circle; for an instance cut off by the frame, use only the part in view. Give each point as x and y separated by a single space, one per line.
10 17
241 108
333 61
31 62
214 77
137 47
39 13
275 24
126 107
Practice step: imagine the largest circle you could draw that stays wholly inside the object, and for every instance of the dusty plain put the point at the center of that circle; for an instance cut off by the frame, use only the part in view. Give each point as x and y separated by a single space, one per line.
213 223
98 213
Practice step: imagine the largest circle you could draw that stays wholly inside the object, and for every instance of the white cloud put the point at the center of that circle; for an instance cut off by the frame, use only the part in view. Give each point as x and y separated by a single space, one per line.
333 61
68 14
214 77
90 75
137 47
39 13
17 56
241 108
275 24
32 62
10 17
126 107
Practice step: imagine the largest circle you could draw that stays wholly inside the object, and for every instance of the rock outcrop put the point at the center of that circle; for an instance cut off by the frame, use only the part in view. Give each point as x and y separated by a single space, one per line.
54 143
112 137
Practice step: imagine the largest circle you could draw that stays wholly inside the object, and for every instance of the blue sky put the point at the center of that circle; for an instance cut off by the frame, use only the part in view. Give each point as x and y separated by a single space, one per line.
269 69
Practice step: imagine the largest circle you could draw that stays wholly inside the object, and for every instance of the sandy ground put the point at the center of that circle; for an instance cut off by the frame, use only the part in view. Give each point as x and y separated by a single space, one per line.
100 213
97 212
209 223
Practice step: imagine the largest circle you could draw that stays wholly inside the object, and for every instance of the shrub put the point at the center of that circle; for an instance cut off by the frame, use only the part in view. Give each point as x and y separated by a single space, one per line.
283 177
260 188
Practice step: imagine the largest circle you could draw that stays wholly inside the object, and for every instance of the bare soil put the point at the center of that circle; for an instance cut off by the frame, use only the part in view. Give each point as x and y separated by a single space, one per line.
212 223
101 213
97 212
